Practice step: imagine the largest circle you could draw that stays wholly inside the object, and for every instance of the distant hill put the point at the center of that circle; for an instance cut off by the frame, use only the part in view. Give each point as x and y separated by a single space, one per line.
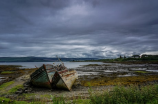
40 59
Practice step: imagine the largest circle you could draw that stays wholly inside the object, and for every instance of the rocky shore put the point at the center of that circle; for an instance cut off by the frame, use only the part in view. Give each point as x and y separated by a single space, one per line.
98 78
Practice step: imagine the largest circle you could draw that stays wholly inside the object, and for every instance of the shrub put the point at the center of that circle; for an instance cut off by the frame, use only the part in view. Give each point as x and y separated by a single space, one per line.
124 95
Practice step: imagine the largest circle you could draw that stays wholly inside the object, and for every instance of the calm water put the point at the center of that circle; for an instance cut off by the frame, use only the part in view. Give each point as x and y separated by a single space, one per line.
38 64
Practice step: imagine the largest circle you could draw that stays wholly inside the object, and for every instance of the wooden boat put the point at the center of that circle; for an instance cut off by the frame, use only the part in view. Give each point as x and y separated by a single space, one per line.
51 76
64 79
42 77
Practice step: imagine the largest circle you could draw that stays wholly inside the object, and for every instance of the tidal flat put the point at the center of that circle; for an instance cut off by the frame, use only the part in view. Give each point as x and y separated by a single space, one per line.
116 73
96 77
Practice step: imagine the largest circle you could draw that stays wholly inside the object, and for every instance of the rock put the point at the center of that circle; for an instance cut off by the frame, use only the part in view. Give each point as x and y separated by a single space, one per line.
6 96
19 92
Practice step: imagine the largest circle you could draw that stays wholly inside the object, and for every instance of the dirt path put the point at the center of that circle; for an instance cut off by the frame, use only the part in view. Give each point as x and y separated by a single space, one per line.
17 81
78 92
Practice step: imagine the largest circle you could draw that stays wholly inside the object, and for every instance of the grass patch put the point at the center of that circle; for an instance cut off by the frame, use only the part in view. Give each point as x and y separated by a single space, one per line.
4 85
141 71
7 72
132 94
80 101
29 95
9 101
105 81
14 89
127 95
9 67
45 96
5 100
58 100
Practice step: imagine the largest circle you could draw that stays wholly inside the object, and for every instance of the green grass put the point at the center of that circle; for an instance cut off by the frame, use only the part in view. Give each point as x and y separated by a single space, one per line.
80 101
5 100
4 85
58 100
141 71
45 96
9 101
154 101
7 72
15 88
128 95
132 94
29 95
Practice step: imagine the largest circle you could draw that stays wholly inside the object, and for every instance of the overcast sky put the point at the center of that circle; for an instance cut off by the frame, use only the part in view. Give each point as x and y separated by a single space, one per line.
78 28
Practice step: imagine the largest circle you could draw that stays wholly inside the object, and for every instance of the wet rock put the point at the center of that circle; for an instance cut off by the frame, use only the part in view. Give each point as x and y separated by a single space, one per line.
13 96
6 96
28 90
19 92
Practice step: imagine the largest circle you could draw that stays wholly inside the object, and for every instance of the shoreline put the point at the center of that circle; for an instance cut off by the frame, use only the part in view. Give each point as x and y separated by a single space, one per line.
106 78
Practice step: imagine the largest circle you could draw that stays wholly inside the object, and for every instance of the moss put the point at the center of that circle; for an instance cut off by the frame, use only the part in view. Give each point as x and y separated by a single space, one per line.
45 96
15 88
29 95
4 85
5 100
10 101
10 69
141 71
119 80
7 72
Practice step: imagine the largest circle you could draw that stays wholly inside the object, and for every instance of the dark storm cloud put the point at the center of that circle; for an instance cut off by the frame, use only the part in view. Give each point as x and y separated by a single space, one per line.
78 28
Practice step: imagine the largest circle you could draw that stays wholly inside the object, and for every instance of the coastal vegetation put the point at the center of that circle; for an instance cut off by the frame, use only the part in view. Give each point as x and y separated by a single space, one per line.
106 81
9 67
132 94
141 71
125 61
15 88
135 59
120 59
4 85
14 69
140 88
127 95
7 72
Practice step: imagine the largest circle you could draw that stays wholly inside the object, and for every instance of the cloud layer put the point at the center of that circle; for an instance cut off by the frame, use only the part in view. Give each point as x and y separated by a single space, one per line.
78 28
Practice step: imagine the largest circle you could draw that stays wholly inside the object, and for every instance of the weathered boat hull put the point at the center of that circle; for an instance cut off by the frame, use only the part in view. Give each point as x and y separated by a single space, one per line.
65 79
40 78
50 76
